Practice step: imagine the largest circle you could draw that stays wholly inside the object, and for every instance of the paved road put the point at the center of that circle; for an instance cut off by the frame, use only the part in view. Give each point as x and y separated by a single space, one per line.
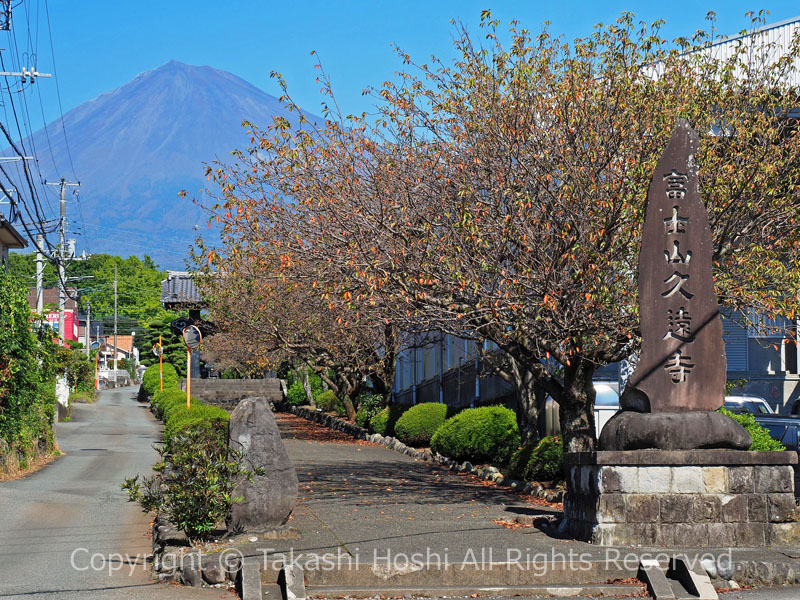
54 523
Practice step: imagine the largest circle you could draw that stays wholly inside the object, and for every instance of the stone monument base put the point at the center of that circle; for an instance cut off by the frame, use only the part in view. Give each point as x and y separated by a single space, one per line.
688 499
687 430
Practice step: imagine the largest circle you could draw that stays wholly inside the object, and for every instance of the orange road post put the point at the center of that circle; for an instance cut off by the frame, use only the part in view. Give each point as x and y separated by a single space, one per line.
96 378
192 337
188 377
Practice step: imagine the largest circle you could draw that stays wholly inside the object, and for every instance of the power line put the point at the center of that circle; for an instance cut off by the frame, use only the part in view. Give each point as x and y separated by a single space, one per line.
58 91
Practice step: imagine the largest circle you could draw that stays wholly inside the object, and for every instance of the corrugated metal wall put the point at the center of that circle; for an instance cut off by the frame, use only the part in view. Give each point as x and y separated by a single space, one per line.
765 46
735 336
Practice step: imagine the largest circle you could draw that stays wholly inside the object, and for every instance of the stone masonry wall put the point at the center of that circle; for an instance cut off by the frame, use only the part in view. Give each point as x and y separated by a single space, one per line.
227 393
687 506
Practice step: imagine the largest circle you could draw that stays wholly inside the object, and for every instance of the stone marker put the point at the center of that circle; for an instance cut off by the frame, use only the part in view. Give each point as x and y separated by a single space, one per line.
671 471
682 362
679 381
270 498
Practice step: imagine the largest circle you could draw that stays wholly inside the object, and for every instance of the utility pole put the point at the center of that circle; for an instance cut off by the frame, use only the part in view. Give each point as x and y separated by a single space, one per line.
116 351
62 275
39 274
88 328
62 259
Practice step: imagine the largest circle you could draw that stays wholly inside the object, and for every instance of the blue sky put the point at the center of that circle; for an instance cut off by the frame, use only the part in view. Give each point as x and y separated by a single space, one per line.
102 45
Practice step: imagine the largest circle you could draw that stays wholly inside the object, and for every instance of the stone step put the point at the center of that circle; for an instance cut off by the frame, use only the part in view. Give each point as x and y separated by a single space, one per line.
524 575
433 591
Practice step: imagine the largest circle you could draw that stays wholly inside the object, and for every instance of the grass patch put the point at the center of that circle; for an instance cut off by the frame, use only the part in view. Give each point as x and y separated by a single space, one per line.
82 397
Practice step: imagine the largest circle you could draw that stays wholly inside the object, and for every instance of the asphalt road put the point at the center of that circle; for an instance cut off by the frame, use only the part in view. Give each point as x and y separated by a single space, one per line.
68 531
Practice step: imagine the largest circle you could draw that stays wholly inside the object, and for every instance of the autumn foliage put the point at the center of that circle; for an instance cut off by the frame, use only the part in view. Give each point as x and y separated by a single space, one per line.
501 197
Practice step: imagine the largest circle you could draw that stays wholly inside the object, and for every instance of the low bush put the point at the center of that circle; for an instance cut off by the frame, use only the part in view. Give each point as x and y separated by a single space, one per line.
762 441
198 475
296 394
384 420
485 434
368 406
170 407
328 402
417 425
541 460
151 379
197 472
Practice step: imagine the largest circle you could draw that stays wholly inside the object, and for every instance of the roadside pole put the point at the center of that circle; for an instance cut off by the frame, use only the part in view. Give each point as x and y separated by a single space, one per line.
39 275
188 377
88 329
116 350
160 364
192 338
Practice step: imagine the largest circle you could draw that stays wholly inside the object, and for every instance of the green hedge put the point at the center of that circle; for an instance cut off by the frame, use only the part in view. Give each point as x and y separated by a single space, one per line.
542 460
762 441
150 379
368 406
296 394
170 407
328 402
485 434
417 425
383 421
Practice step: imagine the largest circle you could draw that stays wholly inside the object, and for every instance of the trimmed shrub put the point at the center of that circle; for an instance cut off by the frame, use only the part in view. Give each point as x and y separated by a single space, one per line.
383 421
315 382
762 441
417 425
296 394
542 460
170 407
150 379
328 402
379 422
368 406
485 434
198 416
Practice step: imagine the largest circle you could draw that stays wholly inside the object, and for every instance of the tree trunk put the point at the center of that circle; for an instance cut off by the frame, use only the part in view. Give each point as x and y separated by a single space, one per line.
576 407
526 405
346 391
349 408
307 388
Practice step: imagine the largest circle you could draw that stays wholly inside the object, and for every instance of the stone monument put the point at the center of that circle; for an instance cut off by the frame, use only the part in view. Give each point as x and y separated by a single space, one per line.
671 470
679 382
270 497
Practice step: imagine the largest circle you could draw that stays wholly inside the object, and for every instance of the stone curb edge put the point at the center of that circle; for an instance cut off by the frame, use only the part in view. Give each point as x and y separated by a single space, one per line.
392 443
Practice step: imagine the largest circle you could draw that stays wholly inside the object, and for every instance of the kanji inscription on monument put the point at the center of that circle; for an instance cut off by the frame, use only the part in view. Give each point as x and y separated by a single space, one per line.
682 363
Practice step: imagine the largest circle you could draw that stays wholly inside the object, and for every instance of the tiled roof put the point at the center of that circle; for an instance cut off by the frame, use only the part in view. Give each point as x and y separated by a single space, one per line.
124 342
178 288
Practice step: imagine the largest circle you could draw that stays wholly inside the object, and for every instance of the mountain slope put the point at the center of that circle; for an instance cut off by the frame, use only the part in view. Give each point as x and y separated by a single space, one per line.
136 147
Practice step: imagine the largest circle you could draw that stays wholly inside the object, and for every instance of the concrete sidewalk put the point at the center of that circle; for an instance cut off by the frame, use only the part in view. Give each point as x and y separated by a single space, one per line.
374 519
